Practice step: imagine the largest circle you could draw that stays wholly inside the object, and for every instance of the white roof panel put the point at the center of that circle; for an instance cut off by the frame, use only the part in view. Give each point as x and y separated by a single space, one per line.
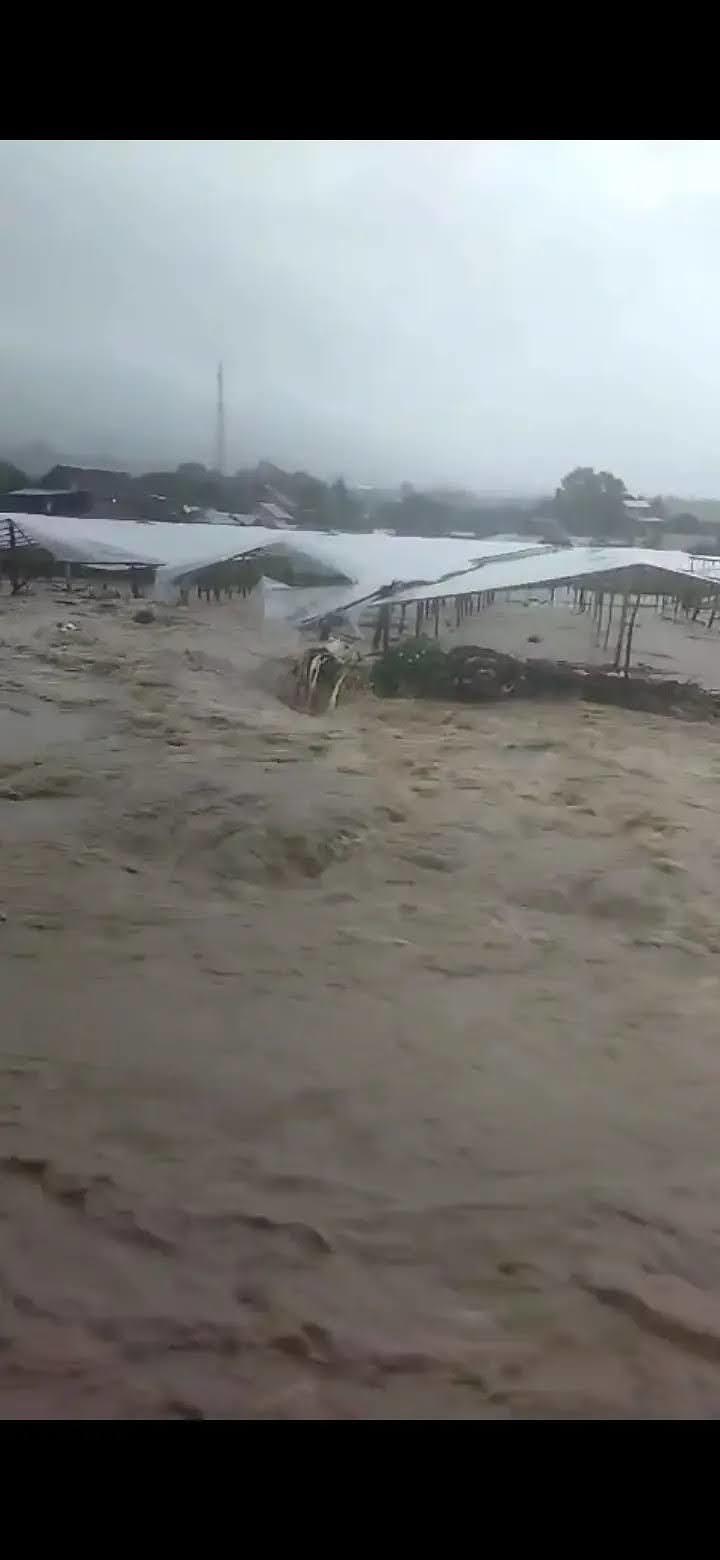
567 565
73 540
368 562
80 539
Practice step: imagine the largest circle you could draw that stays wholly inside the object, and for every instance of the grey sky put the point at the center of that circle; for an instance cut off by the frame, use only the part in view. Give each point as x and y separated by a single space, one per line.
489 313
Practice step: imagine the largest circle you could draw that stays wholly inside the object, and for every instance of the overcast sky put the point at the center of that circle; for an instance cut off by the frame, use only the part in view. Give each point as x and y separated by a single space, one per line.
483 313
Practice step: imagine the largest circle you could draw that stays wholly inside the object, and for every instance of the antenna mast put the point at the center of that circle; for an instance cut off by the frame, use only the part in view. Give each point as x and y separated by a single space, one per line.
220 429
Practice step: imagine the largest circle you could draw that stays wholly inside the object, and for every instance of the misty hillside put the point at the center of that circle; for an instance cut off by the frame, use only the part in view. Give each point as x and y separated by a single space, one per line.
265 493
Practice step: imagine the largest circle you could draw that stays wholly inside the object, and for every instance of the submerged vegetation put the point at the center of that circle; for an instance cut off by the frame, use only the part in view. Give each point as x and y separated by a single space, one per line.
414 667
418 668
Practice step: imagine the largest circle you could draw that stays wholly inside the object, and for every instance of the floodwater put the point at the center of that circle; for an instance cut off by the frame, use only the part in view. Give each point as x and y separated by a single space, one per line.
536 628
359 1067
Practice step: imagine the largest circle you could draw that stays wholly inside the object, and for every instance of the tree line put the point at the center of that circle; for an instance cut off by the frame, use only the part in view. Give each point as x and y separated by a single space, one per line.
586 502
594 504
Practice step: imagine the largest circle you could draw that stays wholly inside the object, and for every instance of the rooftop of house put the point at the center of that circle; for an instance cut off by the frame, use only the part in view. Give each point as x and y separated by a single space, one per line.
40 492
274 515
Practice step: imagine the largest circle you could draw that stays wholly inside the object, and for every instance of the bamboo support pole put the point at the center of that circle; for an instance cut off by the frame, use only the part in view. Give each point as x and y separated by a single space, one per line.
609 620
628 640
623 621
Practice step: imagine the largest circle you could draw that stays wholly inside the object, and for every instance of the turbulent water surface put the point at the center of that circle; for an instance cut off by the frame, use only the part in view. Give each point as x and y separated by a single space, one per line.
364 1067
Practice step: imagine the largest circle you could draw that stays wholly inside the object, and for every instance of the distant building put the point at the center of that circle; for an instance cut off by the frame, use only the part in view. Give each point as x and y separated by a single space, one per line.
95 491
217 517
276 497
274 516
646 525
102 483
46 501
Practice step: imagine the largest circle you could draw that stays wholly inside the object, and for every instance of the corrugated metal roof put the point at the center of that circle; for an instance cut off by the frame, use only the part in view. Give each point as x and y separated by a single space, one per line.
275 512
73 540
433 567
368 562
574 565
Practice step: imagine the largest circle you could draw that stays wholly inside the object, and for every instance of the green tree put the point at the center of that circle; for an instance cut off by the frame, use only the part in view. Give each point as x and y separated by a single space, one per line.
193 471
346 510
590 503
11 477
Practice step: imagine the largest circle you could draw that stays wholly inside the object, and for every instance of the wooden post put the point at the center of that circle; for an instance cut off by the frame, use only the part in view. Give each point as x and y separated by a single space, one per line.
16 583
403 610
12 570
436 615
628 641
623 620
609 621
418 619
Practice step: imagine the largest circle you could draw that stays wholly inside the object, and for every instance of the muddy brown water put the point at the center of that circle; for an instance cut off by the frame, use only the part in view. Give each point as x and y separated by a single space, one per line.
361 1067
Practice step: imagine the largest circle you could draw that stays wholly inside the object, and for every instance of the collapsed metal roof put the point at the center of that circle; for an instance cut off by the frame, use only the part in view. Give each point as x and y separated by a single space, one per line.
404 568
367 562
